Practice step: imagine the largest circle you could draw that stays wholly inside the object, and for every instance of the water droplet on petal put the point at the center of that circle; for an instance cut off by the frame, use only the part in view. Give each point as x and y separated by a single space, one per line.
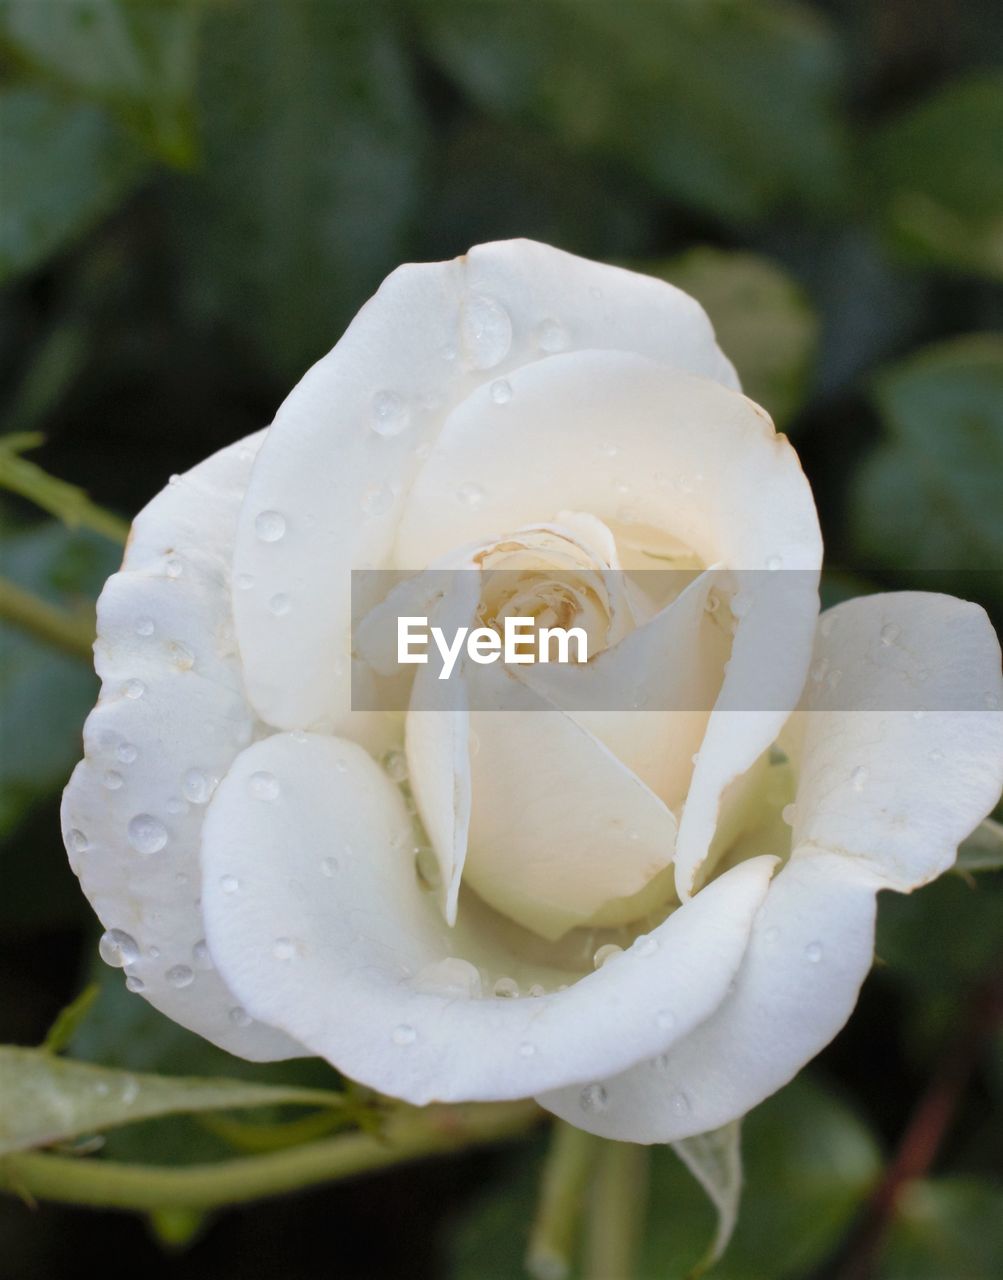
395 763
470 494
452 977
264 786
645 946
403 1035
118 948
245 581
279 605
789 813
144 627
376 500
198 786
889 634
606 953
680 1105
506 988
270 526
76 841
859 778
501 391
774 563
527 1050
132 983
283 948
201 956
593 1099
391 414
112 780
239 1017
485 331
229 884
179 976
537 990
125 753
173 567
134 689
813 952
552 337
181 655
146 833
665 1019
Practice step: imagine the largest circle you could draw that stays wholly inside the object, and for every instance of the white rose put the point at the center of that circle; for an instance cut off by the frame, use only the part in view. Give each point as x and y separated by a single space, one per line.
253 861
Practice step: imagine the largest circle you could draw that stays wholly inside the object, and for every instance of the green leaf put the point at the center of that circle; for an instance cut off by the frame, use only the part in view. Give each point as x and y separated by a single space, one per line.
764 322
715 1160
66 166
45 1099
313 141
69 1019
929 498
951 1227
698 95
983 850
938 173
136 57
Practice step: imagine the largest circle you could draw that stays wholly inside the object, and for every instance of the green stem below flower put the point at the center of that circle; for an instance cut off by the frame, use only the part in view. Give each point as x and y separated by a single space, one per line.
617 1211
566 1173
73 633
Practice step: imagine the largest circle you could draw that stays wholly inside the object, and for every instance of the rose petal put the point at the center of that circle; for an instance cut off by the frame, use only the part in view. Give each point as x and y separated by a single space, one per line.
901 756
810 950
171 718
332 950
328 490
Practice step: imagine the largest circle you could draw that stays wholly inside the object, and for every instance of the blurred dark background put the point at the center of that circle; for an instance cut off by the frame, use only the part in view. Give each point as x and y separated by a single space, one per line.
196 198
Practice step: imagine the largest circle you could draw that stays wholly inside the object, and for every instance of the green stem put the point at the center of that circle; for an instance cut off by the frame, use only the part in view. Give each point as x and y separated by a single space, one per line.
73 633
619 1202
65 501
566 1174
409 1134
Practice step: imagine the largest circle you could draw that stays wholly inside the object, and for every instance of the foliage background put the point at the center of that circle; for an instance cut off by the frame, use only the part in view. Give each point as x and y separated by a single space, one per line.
198 196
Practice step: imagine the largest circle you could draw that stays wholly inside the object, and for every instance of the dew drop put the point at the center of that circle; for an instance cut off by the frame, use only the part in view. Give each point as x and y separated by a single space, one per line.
132 983
229 884
645 946
391 414
679 1104
403 1035
593 1099
279 605
470 494
146 833
889 634
606 953
395 763
789 813
537 990
125 753
506 988
198 786
341 766
774 563
112 780
426 866
134 689
485 331
179 976
144 627
552 337
76 841
377 500
501 391
173 567
118 948
452 977
245 581
665 1019
201 956
270 526
264 786
527 1050
813 952
239 1017
329 867
859 778
181 656
283 948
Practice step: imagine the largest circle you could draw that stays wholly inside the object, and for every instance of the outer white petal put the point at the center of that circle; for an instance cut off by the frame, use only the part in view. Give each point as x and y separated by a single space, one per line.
333 952
171 718
901 751
433 333
810 950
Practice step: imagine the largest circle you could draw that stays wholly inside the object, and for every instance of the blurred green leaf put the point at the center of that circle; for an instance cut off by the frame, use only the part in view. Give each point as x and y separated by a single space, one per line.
69 1019
938 173
949 1229
809 1162
45 1099
929 498
44 694
66 501
313 147
699 95
137 57
66 166
764 322
983 850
